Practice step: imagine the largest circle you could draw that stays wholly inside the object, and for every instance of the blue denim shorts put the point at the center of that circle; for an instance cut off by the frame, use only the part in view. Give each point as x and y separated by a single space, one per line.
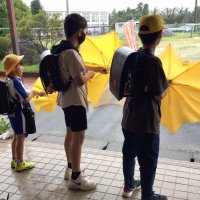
17 122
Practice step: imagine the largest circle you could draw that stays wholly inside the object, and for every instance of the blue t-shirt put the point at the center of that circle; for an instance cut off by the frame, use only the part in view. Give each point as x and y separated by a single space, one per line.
17 90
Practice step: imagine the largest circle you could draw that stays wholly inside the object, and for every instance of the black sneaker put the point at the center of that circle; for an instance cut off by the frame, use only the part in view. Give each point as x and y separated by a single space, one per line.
159 197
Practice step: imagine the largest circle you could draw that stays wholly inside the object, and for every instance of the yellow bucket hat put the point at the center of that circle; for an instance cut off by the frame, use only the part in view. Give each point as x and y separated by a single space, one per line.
151 24
10 61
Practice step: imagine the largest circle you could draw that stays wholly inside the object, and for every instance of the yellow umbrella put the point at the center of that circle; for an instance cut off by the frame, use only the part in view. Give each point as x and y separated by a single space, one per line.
182 102
47 102
98 51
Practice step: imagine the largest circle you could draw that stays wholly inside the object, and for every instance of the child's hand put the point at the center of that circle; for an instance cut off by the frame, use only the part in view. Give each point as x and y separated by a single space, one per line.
33 93
41 93
103 70
90 73
37 93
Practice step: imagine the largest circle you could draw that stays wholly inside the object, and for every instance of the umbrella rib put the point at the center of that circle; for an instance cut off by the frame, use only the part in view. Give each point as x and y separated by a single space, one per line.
186 102
98 50
185 71
185 85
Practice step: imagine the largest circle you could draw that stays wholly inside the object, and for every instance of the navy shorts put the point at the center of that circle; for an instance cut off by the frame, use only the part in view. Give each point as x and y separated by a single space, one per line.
75 118
17 122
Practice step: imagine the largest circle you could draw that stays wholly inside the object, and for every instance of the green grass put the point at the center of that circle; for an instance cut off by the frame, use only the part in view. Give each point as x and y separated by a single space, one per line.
187 48
31 68
27 68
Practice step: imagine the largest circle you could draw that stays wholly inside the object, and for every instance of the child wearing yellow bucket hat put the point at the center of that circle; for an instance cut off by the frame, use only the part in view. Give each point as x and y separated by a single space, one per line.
141 115
13 68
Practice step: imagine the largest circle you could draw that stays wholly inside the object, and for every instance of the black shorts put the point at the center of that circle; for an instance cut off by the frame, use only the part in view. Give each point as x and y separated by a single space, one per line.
75 118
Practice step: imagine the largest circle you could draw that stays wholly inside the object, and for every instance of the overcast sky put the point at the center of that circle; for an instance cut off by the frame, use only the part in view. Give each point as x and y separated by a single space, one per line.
109 5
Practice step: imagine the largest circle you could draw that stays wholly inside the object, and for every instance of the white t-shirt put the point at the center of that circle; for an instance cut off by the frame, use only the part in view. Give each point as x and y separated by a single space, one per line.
71 64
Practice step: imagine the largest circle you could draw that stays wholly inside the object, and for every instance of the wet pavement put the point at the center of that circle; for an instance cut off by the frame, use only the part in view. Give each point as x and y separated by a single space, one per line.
104 133
179 180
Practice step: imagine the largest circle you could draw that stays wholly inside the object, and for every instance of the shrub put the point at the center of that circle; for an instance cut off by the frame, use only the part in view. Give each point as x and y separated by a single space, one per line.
4 125
4 46
30 52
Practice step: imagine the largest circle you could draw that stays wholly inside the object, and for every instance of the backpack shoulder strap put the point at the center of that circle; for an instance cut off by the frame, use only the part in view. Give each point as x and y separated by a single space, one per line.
11 89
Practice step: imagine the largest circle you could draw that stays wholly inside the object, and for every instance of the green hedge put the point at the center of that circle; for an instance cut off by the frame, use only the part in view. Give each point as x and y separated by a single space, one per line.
4 43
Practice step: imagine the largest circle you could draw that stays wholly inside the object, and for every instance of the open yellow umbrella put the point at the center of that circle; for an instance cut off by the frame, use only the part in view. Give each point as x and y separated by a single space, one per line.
182 102
96 52
99 51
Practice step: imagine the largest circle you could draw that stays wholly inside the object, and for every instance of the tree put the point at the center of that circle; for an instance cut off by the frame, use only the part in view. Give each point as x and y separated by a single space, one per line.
141 10
42 30
36 7
155 11
145 10
171 15
176 15
128 14
21 11
3 17
195 15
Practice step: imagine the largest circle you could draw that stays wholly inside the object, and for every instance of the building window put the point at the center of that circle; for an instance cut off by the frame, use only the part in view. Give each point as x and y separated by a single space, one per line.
86 15
120 25
103 17
95 17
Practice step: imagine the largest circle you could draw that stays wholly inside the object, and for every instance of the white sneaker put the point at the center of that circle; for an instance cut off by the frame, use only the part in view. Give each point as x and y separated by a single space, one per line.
68 172
81 183
129 192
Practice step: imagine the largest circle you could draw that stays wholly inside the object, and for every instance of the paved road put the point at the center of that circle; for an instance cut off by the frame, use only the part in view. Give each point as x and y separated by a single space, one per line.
104 131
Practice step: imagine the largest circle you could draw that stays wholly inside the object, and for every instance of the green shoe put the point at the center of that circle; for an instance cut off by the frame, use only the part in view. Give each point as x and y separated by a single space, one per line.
13 164
24 166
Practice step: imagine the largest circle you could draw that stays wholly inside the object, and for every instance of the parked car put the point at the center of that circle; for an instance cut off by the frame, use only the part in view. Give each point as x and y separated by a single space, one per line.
168 33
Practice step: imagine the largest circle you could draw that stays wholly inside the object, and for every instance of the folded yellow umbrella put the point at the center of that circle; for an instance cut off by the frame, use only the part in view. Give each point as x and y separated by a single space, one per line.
47 102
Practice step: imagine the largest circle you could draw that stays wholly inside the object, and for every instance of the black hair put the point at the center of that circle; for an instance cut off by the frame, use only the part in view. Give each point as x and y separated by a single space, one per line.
150 38
74 22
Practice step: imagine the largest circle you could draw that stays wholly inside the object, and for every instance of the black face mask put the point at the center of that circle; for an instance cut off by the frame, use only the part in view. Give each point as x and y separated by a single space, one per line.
81 38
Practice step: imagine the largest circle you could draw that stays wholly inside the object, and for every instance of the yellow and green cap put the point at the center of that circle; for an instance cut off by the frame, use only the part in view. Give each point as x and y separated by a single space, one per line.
151 24
10 61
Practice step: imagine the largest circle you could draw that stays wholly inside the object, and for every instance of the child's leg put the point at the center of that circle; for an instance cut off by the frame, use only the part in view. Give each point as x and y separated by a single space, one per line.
67 144
78 180
13 148
21 164
76 148
19 147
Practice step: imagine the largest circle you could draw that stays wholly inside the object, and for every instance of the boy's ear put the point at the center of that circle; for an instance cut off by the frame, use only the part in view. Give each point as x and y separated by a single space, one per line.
160 35
80 32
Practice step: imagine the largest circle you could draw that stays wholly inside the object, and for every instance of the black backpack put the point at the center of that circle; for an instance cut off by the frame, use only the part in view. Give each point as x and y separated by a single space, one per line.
127 73
7 102
124 73
49 70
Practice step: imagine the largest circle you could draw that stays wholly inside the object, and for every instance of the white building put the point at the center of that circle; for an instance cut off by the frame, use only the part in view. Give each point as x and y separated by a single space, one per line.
98 21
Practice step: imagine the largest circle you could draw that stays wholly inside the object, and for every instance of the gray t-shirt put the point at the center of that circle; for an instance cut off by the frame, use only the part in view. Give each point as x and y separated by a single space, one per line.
143 115
71 64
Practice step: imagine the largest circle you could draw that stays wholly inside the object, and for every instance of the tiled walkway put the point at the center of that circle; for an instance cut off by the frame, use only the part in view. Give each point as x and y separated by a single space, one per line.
176 179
